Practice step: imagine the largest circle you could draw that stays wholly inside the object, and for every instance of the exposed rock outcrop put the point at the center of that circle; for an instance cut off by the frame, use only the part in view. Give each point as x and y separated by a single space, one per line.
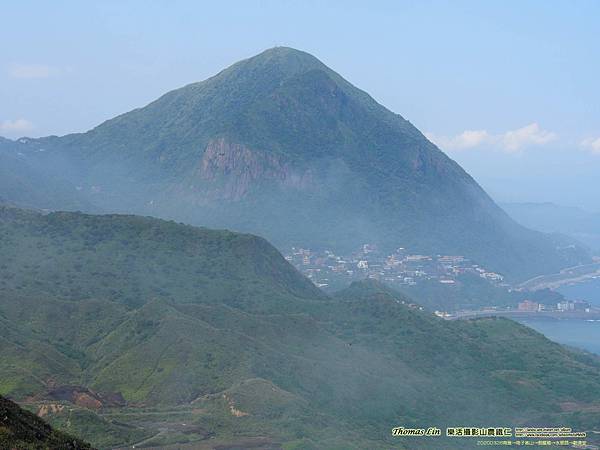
234 169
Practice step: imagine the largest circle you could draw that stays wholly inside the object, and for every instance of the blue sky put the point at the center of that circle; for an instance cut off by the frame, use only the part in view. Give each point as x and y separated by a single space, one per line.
507 88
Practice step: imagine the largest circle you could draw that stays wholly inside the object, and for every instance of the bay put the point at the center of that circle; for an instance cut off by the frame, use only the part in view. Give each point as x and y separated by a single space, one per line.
583 334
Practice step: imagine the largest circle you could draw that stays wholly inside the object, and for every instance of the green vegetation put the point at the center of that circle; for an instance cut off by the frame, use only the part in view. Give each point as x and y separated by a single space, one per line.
282 146
472 292
22 430
104 433
212 337
129 260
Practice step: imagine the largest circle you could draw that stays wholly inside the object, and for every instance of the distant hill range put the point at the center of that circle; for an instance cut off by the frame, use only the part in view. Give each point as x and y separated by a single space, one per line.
126 329
281 146
552 218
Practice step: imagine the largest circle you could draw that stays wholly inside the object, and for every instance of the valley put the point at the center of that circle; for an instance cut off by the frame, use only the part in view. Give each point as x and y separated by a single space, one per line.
123 343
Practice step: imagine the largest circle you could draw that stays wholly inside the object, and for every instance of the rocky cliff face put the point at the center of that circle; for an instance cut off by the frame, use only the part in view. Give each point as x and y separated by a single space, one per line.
229 171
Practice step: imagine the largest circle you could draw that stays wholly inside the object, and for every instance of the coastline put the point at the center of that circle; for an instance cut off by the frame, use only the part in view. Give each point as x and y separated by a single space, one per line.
513 314
570 275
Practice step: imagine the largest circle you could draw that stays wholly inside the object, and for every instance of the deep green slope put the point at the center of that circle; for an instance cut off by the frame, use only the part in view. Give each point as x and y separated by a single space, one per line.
282 146
130 260
22 430
140 324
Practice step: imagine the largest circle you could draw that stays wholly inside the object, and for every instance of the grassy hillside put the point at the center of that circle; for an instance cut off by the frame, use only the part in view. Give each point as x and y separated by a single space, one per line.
470 291
120 326
129 260
22 430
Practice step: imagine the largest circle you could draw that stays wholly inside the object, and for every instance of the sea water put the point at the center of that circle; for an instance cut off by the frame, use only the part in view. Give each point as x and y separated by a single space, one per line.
584 334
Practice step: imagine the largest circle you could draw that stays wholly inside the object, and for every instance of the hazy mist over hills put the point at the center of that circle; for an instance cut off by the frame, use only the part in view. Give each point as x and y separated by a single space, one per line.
116 326
276 225
551 218
280 145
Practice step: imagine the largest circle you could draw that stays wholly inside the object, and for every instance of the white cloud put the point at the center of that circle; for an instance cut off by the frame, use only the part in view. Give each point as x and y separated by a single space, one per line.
31 71
467 139
592 144
510 141
16 126
531 134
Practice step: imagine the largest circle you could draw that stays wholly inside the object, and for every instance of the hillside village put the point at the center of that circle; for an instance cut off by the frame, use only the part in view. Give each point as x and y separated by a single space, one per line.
402 268
327 269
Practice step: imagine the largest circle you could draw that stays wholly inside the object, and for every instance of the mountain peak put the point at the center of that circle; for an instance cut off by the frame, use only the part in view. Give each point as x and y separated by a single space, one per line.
288 56
283 52
276 62
282 146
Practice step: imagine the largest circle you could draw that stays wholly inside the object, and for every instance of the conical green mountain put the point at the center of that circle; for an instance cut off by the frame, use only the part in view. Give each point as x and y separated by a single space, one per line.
282 146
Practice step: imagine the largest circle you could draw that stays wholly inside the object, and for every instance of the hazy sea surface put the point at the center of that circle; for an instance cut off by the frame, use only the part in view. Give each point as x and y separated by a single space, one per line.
588 291
583 334
576 333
